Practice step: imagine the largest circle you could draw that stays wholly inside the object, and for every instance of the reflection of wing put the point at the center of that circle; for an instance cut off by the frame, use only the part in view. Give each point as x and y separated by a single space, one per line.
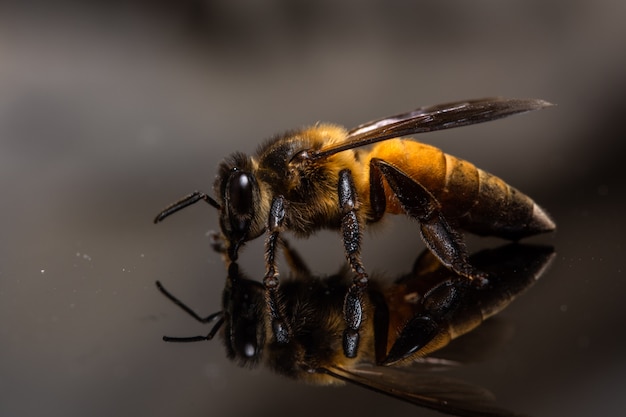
431 118
447 395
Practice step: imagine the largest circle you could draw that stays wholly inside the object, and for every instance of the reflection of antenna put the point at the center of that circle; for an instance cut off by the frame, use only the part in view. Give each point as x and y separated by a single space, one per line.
218 315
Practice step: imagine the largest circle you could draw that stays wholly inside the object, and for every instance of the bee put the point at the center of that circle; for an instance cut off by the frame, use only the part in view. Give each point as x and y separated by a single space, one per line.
403 323
319 177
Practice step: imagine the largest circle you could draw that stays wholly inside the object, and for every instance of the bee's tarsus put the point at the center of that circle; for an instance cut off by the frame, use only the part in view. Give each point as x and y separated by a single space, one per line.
350 343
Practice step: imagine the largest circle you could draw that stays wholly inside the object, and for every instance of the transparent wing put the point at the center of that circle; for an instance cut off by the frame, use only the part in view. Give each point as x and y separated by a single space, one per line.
432 118
444 394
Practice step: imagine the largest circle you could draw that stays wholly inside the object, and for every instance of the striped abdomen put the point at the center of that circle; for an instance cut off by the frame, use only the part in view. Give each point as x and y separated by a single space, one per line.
470 198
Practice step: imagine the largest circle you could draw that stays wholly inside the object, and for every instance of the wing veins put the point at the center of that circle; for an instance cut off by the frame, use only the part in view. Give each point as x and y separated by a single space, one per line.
430 119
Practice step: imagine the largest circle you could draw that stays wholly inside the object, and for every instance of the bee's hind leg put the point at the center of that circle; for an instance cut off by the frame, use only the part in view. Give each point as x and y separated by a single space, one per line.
443 240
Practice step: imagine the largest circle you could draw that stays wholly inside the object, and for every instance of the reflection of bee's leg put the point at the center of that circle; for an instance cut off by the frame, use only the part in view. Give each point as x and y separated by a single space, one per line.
442 240
430 330
270 281
350 229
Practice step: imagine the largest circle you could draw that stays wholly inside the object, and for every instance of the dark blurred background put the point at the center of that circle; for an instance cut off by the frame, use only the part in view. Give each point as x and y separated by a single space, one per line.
111 110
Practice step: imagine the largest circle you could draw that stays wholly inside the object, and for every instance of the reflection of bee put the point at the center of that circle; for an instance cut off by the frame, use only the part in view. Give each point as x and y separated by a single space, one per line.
404 321
314 178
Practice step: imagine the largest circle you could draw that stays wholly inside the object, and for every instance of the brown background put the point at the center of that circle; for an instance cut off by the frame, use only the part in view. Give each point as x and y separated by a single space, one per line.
110 111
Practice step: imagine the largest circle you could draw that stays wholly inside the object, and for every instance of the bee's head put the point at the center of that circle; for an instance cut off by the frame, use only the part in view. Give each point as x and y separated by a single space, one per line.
239 192
244 320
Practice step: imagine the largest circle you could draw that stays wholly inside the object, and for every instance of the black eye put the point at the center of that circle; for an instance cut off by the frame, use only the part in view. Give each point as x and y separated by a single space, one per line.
240 193
246 339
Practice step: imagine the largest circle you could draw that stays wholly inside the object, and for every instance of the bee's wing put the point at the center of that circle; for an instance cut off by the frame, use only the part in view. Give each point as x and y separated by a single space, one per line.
431 118
444 394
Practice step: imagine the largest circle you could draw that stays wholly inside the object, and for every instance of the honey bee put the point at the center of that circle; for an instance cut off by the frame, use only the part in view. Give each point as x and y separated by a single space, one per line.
403 322
318 177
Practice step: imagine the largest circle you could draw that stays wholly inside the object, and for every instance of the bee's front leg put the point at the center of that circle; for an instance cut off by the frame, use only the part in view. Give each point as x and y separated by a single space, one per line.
351 232
270 281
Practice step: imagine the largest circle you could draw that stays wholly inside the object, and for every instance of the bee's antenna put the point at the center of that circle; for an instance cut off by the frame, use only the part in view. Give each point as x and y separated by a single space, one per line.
185 202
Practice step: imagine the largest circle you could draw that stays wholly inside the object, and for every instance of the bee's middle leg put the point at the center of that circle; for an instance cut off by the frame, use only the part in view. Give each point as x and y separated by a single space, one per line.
351 233
443 240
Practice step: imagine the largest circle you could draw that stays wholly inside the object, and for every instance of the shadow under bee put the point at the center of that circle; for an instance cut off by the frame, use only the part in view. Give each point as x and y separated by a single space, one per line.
405 322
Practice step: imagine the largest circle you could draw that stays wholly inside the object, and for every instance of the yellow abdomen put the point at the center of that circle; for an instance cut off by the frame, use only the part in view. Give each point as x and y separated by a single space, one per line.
469 197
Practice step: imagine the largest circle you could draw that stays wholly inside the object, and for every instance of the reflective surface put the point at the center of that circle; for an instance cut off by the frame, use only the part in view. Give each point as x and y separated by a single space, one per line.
108 113
414 327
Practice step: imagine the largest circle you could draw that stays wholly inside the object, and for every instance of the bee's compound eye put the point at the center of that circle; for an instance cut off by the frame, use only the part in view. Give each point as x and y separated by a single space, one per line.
240 193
